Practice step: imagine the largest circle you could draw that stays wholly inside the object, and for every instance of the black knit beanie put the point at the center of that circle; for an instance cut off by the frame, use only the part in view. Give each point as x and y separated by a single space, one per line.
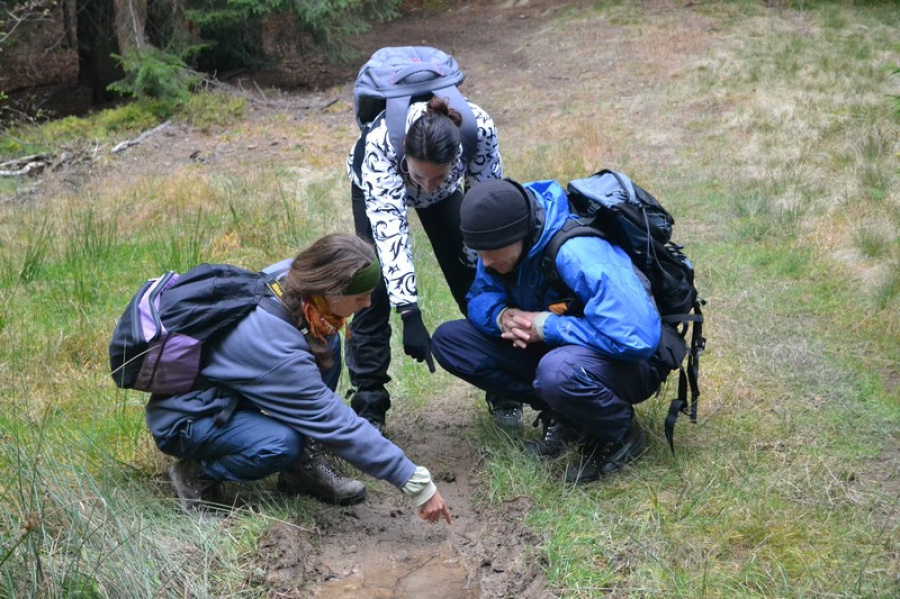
494 214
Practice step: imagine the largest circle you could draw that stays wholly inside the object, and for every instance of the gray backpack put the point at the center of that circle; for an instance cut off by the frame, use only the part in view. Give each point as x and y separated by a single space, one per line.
159 342
396 76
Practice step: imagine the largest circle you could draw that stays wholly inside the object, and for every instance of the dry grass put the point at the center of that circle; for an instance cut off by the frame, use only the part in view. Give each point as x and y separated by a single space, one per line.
765 129
768 133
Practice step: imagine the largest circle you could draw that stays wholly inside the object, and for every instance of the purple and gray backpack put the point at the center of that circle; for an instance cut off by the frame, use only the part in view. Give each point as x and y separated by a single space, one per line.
158 343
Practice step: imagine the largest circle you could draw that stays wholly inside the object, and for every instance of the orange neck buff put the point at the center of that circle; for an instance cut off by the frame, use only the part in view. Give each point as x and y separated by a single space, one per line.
319 319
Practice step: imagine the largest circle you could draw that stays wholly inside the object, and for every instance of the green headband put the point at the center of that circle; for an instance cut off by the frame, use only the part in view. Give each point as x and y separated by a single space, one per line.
364 280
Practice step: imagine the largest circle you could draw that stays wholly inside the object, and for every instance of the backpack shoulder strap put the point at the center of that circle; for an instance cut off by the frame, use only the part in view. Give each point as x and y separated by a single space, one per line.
573 227
395 114
271 302
359 151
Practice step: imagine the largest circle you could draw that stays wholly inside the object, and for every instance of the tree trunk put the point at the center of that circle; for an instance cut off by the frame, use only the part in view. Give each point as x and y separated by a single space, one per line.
96 44
130 23
107 27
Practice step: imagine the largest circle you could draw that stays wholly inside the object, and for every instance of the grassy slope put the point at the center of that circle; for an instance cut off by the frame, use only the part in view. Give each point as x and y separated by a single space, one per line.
768 133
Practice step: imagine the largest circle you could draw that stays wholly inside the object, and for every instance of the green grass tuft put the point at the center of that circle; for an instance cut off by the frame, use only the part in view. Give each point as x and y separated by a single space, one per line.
768 129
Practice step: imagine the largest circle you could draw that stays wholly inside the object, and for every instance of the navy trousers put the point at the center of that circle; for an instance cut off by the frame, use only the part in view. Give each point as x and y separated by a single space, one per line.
586 390
250 445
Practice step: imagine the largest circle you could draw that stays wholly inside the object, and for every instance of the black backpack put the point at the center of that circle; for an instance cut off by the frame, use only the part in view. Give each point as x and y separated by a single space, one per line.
158 343
610 205
396 76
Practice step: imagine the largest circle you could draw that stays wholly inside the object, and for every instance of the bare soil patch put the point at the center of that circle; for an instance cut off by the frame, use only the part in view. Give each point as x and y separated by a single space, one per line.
380 548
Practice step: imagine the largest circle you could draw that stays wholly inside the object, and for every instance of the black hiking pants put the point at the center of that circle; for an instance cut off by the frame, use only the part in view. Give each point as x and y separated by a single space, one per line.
368 351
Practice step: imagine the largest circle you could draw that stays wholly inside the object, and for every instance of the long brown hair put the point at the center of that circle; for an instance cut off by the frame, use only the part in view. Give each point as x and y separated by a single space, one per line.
324 268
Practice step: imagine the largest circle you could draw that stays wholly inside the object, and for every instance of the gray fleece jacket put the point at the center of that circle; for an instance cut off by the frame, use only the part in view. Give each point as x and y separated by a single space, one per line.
266 363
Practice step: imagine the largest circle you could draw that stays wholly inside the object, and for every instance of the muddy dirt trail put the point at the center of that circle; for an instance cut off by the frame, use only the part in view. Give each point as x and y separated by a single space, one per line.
380 549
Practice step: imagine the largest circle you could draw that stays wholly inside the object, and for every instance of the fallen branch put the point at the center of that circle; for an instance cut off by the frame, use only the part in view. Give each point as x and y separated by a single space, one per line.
264 100
259 89
24 165
133 142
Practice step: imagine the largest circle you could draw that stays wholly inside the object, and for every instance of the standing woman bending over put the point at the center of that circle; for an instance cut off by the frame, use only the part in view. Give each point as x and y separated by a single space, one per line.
430 179
271 405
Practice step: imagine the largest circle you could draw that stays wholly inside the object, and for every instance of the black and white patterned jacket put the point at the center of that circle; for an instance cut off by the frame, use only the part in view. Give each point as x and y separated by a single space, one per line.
389 193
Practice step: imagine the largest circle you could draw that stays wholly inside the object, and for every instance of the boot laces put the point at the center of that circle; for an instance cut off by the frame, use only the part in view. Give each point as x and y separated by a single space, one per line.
599 452
546 419
318 459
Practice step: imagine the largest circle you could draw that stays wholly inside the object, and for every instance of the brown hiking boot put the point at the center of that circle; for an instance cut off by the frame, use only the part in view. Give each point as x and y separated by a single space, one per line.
196 491
312 474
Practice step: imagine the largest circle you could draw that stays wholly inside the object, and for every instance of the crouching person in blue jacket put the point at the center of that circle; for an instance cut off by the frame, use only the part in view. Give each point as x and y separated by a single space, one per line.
581 355
271 407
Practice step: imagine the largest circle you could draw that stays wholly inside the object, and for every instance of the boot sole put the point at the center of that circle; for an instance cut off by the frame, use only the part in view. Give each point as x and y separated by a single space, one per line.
330 499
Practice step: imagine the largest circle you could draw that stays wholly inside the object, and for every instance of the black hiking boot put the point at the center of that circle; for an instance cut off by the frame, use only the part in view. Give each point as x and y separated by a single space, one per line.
372 405
313 474
507 413
196 491
600 459
556 437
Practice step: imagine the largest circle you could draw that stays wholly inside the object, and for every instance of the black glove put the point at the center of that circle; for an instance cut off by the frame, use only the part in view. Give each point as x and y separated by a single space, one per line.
416 340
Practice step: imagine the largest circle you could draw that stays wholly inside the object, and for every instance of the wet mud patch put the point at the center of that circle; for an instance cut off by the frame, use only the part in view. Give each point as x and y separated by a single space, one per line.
409 573
380 548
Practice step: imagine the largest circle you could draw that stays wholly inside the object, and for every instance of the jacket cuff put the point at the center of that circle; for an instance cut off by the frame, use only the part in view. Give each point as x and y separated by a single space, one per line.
420 487
500 318
538 324
414 306
425 494
549 325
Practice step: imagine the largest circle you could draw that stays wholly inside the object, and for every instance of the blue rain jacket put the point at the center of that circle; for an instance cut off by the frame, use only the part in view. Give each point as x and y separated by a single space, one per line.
620 318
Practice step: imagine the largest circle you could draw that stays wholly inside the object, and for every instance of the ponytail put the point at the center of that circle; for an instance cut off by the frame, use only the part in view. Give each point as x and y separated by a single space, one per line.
434 137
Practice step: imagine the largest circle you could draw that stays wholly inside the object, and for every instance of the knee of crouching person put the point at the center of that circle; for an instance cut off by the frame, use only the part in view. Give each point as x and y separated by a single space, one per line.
443 342
280 451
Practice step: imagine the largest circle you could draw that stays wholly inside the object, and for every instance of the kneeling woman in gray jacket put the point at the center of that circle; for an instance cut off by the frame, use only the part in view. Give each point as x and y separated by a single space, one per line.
271 404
